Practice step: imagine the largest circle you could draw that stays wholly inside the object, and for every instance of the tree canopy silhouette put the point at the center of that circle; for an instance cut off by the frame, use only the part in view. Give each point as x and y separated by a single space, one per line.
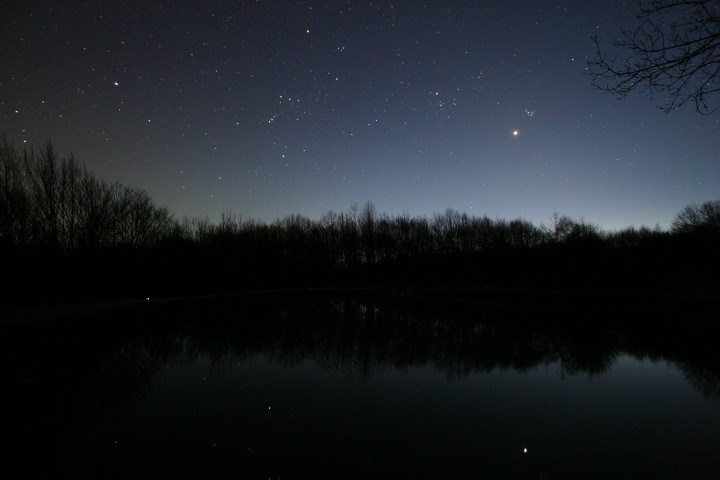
53 202
672 52
65 233
698 219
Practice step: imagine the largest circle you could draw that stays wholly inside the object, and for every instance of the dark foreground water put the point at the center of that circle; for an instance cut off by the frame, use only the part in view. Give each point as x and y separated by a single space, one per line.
336 388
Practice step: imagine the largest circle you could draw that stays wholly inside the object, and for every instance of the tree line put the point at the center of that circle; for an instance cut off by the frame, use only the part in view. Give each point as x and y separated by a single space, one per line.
58 219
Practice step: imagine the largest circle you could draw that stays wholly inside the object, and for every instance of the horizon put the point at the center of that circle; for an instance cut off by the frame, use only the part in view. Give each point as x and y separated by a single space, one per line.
179 216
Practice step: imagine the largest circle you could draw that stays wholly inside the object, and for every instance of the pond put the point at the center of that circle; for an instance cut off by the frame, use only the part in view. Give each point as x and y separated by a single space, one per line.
326 387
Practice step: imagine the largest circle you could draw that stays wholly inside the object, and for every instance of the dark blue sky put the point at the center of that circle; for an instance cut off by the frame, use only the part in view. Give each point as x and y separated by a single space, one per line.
267 108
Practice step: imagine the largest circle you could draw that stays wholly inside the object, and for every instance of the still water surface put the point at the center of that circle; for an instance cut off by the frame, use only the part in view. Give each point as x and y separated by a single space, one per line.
356 389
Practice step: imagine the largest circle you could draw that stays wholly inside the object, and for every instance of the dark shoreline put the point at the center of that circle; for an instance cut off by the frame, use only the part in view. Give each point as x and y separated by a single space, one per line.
702 303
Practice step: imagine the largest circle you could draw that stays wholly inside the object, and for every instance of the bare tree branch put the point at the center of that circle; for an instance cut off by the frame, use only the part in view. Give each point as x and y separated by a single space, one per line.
673 52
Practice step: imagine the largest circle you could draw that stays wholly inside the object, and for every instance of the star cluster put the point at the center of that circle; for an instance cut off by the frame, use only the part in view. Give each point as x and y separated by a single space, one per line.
271 108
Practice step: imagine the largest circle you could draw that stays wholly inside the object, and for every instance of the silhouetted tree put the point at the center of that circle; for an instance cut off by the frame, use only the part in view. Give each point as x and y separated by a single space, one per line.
632 237
444 228
674 51
15 205
330 231
698 219
136 221
559 229
54 202
367 225
584 233
350 237
45 190
524 234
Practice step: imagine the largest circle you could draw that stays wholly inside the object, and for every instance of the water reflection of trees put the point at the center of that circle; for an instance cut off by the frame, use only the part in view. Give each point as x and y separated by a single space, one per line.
98 365
361 337
703 379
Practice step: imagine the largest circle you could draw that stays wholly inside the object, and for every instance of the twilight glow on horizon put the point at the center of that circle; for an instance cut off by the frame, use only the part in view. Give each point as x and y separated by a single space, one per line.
270 108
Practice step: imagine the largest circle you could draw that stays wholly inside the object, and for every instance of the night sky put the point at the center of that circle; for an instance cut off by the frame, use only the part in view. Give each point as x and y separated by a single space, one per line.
269 108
